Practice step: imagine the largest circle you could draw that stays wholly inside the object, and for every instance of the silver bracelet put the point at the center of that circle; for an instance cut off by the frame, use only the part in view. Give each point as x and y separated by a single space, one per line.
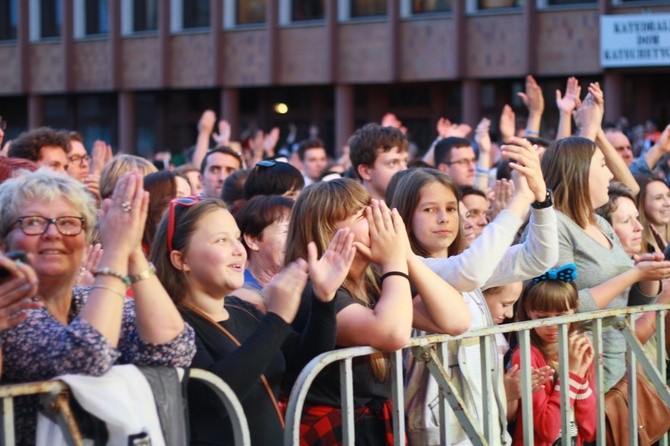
112 290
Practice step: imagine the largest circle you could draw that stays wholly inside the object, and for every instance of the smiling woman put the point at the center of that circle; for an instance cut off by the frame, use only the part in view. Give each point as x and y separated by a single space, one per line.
200 258
51 217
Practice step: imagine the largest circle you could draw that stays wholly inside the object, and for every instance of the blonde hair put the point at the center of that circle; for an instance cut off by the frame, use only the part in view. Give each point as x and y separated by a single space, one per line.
118 166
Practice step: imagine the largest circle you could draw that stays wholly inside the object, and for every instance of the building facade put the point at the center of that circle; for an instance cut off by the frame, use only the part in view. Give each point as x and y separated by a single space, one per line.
139 73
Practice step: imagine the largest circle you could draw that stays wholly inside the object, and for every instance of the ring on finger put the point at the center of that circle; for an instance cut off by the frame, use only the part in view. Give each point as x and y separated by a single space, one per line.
126 206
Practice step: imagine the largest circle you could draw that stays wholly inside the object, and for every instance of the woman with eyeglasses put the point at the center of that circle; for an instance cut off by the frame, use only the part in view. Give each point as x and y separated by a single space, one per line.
200 260
80 330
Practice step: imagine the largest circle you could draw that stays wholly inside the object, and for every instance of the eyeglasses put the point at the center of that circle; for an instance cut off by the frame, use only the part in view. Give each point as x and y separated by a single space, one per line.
79 159
266 163
38 225
463 162
180 201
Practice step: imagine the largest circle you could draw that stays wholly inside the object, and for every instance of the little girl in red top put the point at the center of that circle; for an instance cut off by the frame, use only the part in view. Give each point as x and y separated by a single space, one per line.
554 294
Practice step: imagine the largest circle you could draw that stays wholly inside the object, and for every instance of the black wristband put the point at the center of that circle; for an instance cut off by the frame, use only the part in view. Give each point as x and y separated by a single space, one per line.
395 273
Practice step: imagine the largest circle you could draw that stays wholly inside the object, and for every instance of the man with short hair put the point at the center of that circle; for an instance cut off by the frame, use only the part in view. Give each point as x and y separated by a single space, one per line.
478 207
45 146
313 158
456 157
376 154
643 164
215 168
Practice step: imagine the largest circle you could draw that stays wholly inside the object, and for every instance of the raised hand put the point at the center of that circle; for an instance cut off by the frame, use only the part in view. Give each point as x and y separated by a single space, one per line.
91 259
589 115
222 138
571 99
207 122
482 137
101 154
123 216
532 97
328 272
16 293
525 160
284 291
507 124
503 190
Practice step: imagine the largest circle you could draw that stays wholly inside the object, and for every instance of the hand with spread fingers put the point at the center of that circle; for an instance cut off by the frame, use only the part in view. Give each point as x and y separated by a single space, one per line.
328 272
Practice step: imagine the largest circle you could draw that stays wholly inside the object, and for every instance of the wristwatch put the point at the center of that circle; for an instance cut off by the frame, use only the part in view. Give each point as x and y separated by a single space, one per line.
548 201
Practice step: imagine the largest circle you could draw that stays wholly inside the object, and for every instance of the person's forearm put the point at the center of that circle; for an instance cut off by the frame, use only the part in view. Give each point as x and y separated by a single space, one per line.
201 148
158 320
564 125
653 156
534 121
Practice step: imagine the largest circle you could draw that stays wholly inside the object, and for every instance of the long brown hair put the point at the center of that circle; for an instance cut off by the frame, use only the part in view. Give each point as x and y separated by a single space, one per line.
405 197
318 209
566 165
162 187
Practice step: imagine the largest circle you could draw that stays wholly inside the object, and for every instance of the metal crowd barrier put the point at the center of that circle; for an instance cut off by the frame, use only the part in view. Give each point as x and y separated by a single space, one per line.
54 398
433 347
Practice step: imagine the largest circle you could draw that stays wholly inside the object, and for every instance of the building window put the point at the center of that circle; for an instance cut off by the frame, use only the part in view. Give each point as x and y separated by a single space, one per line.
302 10
249 12
496 4
91 18
196 14
430 6
189 14
569 2
45 19
145 15
9 19
367 8
138 16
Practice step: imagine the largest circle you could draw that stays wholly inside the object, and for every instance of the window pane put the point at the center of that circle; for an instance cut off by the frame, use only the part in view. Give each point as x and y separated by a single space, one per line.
307 10
492 4
196 14
50 18
367 8
250 11
145 15
97 20
569 2
8 19
427 6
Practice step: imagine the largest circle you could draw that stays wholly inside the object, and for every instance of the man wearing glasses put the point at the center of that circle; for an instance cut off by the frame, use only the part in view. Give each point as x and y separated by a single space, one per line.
45 146
456 157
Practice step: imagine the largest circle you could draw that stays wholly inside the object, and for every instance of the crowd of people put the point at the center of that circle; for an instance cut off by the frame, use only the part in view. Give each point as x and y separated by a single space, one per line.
255 257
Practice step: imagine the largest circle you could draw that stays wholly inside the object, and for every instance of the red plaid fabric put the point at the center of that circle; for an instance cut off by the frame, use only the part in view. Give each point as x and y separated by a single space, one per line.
322 425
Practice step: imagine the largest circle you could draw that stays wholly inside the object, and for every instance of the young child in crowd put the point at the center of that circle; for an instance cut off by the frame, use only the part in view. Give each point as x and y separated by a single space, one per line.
549 295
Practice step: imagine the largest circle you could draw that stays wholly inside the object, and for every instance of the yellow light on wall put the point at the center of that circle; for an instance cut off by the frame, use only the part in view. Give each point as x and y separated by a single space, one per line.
281 108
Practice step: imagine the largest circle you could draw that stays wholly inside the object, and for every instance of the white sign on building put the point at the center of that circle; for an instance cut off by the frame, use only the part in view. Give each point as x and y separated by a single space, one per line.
635 40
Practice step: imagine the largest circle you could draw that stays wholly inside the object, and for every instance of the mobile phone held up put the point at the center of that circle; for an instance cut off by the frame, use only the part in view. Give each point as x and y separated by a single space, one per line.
13 255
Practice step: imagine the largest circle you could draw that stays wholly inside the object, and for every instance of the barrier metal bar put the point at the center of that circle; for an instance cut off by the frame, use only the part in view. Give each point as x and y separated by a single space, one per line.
52 393
445 409
230 401
398 395
347 392
660 356
424 349
487 384
564 380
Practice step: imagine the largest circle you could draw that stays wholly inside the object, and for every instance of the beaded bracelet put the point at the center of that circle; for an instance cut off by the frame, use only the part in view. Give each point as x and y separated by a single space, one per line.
151 271
110 272
395 273
112 290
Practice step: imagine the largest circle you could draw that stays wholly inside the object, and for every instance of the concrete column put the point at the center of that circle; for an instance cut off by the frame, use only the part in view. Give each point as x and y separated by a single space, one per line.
35 111
126 118
344 115
470 101
230 110
613 90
